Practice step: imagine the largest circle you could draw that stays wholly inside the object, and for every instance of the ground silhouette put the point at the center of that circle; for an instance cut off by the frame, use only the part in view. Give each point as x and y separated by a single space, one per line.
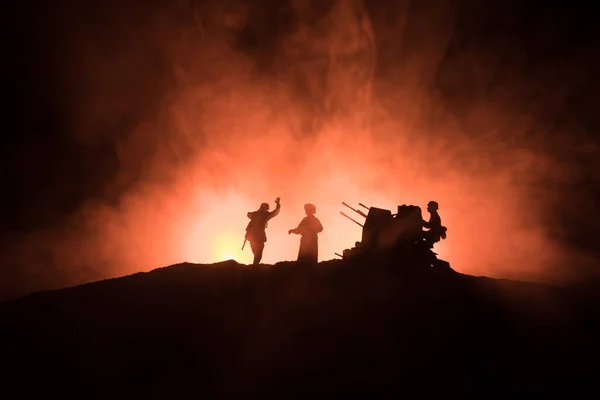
293 330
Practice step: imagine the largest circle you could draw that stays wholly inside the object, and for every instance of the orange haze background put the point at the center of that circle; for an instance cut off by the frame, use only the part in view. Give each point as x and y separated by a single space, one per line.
225 136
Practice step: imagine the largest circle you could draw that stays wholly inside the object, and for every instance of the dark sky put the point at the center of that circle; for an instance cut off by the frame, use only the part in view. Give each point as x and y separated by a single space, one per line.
539 58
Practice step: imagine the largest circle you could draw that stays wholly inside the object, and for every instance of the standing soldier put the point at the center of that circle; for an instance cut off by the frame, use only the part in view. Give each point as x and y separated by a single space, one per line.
309 228
255 231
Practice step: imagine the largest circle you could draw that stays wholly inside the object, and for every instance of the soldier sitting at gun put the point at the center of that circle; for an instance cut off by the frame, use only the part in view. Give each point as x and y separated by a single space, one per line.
436 230
255 231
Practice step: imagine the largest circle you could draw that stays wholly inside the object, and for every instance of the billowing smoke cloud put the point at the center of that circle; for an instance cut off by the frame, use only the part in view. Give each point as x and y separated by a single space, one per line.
318 103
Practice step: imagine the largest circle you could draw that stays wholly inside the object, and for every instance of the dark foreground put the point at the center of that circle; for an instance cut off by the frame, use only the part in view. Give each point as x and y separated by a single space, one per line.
230 330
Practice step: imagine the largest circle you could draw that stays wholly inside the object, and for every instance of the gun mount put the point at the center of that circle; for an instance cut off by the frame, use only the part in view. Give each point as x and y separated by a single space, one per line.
400 233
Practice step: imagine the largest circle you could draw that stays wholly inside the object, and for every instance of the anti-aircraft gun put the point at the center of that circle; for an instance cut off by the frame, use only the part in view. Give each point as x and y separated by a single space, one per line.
400 234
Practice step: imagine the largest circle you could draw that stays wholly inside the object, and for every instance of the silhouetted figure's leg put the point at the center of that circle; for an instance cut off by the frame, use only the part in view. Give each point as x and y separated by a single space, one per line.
431 238
257 250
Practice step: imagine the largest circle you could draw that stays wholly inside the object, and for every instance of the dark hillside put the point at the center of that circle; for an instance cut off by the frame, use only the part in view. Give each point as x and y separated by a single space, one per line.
291 330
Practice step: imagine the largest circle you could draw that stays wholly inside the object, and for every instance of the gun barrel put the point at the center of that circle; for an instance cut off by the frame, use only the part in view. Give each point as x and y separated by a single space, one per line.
351 219
339 255
362 205
355 210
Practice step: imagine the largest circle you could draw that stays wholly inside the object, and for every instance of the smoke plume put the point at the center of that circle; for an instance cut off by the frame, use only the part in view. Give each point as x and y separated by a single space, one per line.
212 108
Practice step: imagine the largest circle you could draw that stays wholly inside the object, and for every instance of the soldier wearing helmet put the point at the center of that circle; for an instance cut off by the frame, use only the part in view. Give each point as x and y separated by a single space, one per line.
436 230
255 231
309 228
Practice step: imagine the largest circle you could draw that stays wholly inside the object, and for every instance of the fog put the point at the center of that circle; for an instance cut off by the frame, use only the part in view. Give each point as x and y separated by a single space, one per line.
302 114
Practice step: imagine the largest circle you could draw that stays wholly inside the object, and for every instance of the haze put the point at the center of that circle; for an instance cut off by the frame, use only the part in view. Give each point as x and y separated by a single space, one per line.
309 120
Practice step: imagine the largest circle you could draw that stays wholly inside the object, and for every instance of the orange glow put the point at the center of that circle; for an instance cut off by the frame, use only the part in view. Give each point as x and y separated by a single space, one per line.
205 223
199 215
225 136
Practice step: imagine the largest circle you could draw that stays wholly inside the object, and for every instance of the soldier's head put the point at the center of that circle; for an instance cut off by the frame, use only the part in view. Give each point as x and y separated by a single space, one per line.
310 209
264 207
432 206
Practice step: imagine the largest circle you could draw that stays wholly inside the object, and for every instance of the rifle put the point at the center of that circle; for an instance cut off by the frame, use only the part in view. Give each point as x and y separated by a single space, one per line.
244 243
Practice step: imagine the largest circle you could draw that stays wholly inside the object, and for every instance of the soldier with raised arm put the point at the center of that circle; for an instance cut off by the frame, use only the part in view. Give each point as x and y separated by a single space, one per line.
255 231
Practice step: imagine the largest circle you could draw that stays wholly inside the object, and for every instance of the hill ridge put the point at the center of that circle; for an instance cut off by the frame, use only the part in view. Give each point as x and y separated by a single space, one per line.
339 327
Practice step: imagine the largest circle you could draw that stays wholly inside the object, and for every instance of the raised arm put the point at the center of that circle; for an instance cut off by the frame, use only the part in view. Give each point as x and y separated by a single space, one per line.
275 212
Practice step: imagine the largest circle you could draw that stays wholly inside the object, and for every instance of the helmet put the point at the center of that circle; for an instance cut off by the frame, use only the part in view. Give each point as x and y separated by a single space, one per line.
434 205
264 207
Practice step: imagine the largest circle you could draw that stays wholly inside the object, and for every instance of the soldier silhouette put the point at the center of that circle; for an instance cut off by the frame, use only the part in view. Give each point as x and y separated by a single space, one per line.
309 228
436 230
255 231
